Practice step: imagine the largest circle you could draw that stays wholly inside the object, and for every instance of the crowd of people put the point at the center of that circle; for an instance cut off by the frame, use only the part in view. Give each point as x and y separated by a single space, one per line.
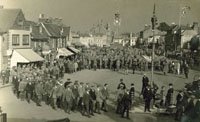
35 84
42 83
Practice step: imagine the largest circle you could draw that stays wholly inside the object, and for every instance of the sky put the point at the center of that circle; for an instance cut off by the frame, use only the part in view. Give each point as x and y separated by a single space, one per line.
81 15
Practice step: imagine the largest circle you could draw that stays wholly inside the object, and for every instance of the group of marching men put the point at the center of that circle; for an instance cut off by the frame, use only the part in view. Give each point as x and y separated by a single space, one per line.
70 96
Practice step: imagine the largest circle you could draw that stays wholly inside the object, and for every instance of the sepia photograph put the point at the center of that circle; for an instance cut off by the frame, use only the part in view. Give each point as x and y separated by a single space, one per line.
99 60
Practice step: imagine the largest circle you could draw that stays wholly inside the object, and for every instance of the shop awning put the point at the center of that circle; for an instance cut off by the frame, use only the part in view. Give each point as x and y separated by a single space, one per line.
24 56
73 49
64 52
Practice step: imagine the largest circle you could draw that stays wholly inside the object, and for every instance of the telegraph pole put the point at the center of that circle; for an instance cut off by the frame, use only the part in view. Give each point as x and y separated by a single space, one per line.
154 23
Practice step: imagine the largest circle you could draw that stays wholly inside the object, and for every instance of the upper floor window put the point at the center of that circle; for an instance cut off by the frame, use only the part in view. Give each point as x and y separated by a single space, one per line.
15 39
25 39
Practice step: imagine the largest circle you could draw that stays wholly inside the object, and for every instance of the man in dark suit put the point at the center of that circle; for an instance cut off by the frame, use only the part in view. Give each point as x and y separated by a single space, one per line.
86 102
98 99
169 96
75 94
120 94
105 95
179 105
145 82
126 102
92 100
132 93
29 91
121 84
147 98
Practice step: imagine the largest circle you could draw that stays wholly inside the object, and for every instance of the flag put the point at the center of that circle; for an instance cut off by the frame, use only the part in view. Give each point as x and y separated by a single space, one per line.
184 10
117 19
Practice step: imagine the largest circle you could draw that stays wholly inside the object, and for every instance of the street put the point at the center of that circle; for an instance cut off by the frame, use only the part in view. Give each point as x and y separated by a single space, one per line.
25 112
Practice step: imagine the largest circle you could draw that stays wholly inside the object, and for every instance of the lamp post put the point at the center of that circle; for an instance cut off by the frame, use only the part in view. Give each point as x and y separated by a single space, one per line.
154 23
174 40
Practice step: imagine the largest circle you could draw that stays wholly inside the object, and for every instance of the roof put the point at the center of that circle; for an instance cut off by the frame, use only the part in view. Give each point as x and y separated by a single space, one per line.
36 35
29 54
177 28
73 49
64 52
30 23
55 30
8 17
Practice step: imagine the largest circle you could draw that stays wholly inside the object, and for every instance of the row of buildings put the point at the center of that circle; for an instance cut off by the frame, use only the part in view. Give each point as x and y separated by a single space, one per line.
23 41
29 40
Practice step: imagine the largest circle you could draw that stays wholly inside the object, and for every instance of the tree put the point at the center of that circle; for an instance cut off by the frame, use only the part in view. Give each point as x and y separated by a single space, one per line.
195 43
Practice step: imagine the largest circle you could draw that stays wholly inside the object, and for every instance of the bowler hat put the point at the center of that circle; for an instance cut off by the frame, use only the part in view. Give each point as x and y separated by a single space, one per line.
170 84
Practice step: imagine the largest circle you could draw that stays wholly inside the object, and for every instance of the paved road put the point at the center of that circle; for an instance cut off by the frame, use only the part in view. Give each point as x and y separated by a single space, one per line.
31 113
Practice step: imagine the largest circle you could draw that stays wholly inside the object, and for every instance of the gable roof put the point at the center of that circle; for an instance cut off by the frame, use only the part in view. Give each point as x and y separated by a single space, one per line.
54 30
37 35
8 17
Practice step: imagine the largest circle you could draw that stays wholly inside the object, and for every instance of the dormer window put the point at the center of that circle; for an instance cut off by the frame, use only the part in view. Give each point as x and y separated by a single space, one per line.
20 22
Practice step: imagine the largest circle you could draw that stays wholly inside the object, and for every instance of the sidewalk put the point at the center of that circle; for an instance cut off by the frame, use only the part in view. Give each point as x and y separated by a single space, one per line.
5 85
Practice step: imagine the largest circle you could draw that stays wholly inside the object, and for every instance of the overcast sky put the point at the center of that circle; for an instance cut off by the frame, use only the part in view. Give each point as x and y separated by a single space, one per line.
82 14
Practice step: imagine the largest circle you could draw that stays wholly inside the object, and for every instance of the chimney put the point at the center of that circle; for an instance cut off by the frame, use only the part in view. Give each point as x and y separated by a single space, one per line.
41 16
146 27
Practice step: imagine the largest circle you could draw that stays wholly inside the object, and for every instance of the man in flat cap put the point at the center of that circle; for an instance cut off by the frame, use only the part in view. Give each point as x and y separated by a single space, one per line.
169 96
145 82
179 105
121 84
98 99
81 91
147 98
105 95
92 100
126 103
75 94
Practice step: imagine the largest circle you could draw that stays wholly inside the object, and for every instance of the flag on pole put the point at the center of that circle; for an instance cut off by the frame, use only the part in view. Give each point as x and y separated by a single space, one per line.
184 10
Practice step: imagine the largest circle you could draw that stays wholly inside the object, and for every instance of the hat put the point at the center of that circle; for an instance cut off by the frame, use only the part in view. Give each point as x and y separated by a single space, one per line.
105 84
170 84
132 84
121 79
81 83
68 79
